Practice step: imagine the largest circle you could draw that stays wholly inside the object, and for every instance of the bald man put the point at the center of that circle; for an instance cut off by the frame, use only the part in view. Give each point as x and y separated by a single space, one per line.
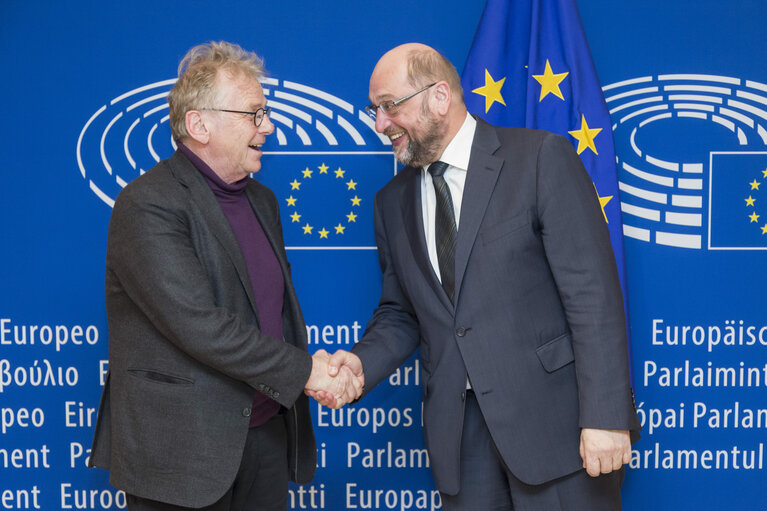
497 263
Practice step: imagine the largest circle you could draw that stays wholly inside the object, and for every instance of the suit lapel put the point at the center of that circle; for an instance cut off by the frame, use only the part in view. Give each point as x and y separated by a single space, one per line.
211 211
412 212
482 174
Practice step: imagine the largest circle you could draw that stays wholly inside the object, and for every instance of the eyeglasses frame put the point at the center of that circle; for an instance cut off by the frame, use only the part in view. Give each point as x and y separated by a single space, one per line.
256 120
388 105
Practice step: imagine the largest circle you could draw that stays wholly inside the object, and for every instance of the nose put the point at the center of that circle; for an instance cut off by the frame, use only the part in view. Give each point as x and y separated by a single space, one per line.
266 127
382 121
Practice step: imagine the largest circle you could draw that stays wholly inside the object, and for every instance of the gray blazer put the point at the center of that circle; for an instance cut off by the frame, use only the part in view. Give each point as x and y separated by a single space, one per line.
538 323
185 349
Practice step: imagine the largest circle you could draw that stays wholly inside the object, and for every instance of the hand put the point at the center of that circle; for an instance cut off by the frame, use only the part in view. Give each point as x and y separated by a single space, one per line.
339 364
333 388
604 450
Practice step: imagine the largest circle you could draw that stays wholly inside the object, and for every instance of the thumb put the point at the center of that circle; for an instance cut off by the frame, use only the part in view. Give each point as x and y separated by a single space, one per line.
337 360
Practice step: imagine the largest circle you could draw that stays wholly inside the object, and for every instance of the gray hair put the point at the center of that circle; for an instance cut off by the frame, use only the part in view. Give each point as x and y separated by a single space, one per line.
197 72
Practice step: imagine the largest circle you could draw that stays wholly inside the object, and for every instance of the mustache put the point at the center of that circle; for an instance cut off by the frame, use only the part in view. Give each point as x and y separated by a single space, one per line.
393 131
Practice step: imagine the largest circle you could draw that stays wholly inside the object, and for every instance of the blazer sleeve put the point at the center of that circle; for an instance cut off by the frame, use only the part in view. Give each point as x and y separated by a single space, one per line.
392 334
579 253
153 259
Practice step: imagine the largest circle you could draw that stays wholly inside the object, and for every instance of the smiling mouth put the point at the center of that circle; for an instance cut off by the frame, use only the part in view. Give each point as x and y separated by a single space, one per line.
256 147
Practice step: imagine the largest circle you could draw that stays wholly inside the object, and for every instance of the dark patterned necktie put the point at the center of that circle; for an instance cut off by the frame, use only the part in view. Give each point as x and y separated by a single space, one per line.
445 229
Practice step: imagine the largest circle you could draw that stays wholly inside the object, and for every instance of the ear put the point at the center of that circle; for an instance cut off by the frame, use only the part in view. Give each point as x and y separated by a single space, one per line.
442 97
195 126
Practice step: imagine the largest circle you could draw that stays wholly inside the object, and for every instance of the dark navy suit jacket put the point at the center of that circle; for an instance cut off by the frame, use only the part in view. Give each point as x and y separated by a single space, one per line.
538 323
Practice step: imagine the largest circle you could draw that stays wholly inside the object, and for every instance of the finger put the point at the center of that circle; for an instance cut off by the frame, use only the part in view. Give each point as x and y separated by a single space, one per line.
328 400
627 455
349 391
348 394
339 401
617 461
592 466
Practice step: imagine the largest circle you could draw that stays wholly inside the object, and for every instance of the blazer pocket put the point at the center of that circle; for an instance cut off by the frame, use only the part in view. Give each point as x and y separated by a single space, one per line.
505 228
556 353
158 377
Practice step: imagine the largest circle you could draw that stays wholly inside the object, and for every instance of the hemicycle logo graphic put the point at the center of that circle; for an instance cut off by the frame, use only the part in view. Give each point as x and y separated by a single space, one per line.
692 155
324 161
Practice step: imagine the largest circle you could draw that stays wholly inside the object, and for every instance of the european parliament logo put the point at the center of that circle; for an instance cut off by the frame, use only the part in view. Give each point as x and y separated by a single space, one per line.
692 160
324 161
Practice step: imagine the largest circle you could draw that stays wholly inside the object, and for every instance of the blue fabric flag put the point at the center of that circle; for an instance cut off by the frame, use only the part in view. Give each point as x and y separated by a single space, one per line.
530 66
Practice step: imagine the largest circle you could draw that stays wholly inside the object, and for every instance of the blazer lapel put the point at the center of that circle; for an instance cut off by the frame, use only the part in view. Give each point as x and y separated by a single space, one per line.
482 174
412 212
203 196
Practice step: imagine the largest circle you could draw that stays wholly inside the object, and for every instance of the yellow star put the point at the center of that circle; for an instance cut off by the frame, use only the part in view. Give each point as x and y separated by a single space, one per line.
352 217
323 168
340 173
764 229
603 202
750 201
323 233
340 229
351 185
550 82
295 216
307 173
308 228
754 217
356 201
295 185
764 172
755 184
585 136
291 201
491 90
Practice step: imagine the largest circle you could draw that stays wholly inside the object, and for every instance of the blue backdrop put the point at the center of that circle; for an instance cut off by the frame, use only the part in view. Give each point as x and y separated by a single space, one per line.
84 112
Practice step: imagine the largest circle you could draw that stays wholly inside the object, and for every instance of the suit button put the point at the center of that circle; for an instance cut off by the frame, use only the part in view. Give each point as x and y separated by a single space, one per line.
463 396
246 412
460 331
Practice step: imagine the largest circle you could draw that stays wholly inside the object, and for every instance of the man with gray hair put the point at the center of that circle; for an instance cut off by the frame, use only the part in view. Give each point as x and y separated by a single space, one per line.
204 404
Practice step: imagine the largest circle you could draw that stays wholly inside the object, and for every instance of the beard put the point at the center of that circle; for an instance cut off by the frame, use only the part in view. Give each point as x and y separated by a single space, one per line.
423 149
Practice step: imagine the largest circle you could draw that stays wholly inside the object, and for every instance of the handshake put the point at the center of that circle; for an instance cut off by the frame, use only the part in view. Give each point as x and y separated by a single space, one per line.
336 379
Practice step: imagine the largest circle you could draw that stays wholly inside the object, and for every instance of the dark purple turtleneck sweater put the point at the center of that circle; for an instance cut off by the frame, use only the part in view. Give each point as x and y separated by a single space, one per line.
265 273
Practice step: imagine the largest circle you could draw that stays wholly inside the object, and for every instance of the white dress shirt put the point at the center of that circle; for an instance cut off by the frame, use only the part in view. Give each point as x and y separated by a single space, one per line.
456 155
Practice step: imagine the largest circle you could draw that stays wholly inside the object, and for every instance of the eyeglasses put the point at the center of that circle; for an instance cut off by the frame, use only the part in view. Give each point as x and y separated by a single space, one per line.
258 115
390 107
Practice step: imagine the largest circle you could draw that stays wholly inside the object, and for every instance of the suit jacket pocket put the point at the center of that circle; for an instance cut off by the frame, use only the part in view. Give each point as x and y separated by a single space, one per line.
556 353
160 377
505 228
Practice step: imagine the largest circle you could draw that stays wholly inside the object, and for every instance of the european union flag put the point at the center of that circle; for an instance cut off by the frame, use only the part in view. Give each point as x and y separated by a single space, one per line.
530 66
738 205
326 198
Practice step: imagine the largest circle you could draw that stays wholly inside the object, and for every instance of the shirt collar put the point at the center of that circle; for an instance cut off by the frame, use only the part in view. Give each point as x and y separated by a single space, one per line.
458 151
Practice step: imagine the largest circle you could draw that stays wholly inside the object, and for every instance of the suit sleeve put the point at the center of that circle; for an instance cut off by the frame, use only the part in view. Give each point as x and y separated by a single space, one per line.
154 262
392 334
579 253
